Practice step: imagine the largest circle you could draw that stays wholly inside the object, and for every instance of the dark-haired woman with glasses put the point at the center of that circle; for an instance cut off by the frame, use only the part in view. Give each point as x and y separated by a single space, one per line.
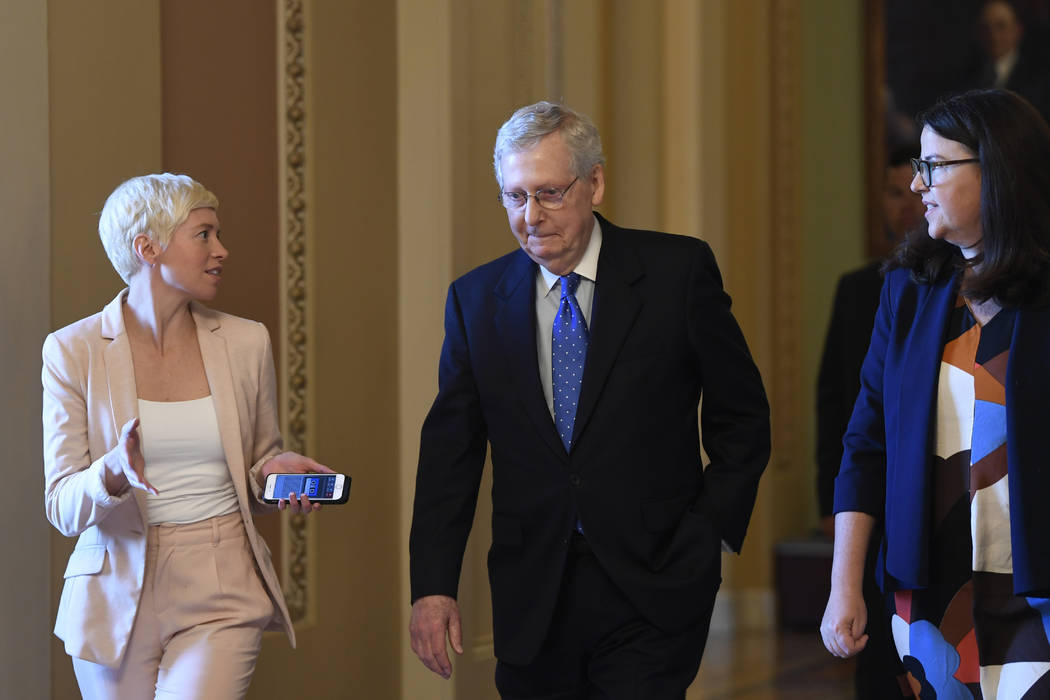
947 444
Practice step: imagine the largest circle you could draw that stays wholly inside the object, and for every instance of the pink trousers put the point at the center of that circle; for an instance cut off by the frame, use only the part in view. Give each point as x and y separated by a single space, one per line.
199 625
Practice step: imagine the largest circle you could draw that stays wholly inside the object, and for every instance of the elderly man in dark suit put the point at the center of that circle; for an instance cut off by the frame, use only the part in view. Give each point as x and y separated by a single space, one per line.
580 359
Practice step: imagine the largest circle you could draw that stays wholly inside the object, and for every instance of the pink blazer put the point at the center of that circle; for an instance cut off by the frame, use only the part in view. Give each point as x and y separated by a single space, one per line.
89 394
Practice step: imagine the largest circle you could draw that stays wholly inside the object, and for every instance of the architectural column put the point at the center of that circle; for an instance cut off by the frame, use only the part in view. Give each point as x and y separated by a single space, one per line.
424 265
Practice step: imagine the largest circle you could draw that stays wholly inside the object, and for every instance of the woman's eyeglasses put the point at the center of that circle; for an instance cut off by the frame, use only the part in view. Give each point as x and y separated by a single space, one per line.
925 167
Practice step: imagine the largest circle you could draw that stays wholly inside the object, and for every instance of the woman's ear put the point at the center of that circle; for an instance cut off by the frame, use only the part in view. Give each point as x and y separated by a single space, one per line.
145 249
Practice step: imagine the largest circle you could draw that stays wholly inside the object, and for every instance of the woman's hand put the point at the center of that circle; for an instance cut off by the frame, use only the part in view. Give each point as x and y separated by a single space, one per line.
293 463
845 618
843 625
125 465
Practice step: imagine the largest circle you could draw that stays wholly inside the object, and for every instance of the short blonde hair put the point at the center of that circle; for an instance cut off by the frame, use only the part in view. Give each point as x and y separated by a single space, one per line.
150 205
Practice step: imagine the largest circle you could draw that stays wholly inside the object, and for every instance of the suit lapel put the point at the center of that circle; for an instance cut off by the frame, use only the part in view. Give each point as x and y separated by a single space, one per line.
220 381
515 322
920 367
120 377
615 307
120 369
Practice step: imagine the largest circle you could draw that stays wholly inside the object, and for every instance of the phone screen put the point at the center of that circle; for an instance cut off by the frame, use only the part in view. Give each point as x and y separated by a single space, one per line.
313 485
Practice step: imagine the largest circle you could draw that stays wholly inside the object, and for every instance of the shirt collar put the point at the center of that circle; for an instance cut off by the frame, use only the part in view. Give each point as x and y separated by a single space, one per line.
1004 66
588 265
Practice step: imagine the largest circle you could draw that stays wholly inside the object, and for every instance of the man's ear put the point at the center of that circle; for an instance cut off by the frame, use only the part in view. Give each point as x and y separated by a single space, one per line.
597 185
145 249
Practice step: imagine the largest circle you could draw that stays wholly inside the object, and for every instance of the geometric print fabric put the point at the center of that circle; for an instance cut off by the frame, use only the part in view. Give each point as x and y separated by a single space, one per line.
967 635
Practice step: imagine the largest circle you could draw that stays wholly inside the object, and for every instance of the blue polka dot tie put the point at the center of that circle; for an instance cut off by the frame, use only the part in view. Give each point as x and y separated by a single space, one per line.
568 352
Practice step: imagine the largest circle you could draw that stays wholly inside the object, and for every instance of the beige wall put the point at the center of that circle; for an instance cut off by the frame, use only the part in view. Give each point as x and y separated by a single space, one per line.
831 172
733 121
105 126
25 298
219 118
219 125
425 260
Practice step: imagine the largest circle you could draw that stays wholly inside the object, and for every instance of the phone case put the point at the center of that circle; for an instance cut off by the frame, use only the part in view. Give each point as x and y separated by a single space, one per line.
342 499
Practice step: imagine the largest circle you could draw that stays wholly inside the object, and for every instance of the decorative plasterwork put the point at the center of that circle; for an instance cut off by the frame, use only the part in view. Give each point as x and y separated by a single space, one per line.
293 276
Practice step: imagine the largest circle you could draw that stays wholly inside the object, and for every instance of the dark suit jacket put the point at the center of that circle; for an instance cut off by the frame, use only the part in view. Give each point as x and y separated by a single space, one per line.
661 334
838 383
890 440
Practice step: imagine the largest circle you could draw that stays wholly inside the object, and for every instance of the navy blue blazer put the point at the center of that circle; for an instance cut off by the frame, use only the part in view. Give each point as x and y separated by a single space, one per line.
889 444
662 334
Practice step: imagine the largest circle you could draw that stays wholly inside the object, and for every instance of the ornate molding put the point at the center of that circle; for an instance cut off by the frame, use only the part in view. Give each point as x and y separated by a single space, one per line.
291 100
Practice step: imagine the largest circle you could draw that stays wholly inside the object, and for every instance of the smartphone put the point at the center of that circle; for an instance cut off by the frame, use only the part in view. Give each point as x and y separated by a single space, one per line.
321 488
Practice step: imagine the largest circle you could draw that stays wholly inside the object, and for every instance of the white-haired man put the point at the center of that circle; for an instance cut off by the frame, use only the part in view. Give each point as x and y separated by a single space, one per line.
580 359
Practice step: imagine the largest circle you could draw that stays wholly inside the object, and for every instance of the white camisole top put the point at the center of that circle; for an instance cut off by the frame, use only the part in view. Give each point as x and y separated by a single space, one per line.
185 461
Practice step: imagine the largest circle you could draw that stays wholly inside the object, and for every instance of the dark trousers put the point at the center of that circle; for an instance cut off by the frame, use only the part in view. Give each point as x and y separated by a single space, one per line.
878 665
599 647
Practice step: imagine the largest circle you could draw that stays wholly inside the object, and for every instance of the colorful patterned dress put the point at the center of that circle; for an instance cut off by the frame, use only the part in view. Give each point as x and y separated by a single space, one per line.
967 635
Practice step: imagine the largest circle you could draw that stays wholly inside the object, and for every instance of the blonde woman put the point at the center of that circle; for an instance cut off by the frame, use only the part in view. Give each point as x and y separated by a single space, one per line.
160 427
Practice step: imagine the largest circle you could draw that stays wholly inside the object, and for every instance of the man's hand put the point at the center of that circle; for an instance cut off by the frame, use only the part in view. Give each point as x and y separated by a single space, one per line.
432 617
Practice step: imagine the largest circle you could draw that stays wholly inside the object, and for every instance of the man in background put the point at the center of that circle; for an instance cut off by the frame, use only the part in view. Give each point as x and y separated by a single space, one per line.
1008 64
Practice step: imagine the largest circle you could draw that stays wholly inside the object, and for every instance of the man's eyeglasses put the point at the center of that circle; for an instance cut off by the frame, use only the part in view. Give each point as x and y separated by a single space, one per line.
925 167
547 197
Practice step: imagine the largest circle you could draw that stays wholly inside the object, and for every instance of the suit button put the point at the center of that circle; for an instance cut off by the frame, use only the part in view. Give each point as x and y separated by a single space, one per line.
574 479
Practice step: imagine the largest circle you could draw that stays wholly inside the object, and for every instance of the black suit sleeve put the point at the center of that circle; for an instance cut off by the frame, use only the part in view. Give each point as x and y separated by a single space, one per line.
451 461
849 334
734 412
832 395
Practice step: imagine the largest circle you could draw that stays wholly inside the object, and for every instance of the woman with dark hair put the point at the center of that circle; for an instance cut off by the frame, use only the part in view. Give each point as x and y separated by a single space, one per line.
945 445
